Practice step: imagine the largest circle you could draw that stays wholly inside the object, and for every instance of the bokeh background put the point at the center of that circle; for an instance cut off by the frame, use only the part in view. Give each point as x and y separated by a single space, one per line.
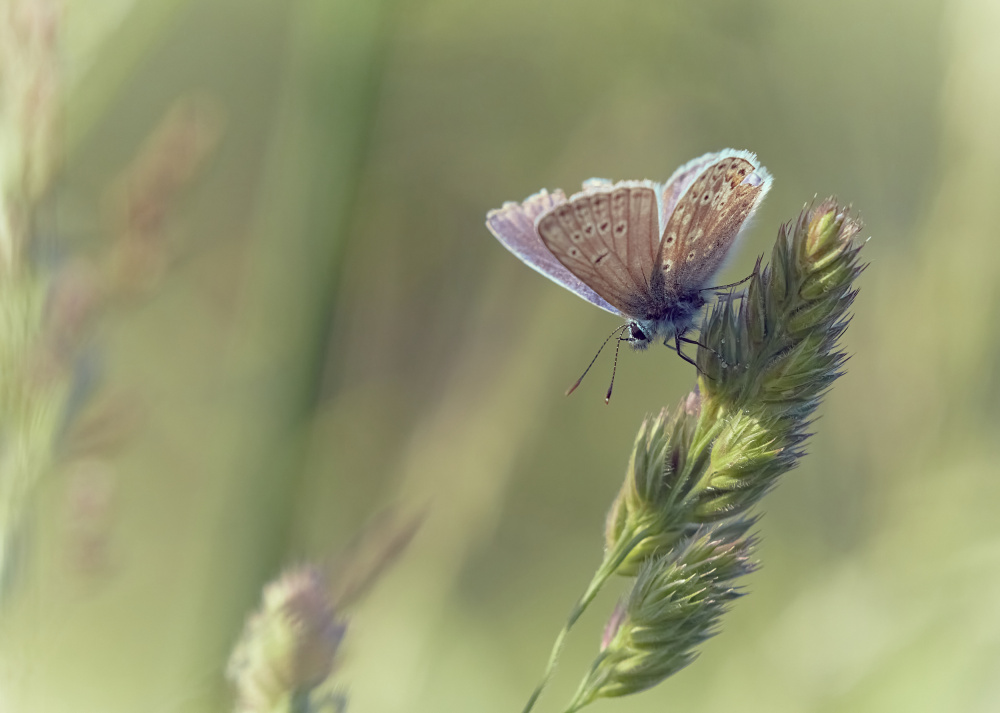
332 331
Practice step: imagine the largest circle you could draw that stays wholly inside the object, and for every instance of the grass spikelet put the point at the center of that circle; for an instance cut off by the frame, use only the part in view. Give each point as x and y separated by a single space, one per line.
679 523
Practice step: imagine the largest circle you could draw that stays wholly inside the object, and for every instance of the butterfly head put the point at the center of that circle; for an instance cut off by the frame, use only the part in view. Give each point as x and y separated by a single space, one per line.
641 333
638 334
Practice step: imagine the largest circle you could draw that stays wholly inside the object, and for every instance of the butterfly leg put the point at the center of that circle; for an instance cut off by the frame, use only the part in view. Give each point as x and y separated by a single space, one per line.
677 347
695 341
756 270
682 355
736 295
703 346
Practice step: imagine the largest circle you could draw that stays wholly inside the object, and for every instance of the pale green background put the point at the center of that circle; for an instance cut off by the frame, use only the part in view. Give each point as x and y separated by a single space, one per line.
339 332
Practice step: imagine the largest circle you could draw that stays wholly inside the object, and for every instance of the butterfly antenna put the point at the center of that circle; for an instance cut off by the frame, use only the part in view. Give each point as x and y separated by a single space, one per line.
607 399
571 389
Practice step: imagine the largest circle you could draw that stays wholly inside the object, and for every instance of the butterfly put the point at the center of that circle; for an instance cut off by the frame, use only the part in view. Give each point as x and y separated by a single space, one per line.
641 250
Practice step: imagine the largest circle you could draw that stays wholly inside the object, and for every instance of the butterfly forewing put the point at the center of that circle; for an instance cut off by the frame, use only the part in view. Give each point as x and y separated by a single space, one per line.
706 221
607 238
680 181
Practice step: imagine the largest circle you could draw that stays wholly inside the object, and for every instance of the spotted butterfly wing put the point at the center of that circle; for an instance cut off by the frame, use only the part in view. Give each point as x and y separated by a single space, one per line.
708 216
680 181
608 237
514 226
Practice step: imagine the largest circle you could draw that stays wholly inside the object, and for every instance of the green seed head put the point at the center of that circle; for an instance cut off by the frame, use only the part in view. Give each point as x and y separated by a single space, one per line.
674 606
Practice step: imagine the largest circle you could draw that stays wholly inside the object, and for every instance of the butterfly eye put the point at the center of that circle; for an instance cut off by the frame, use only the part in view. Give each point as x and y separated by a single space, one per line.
636 333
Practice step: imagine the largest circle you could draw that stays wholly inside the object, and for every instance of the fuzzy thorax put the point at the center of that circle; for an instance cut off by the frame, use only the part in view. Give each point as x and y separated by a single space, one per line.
672 319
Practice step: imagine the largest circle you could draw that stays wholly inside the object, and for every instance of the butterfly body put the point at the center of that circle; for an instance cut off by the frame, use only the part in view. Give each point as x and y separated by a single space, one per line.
669 316
641 250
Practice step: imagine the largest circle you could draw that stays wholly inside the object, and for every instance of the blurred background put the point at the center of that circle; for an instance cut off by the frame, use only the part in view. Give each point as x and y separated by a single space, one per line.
321 327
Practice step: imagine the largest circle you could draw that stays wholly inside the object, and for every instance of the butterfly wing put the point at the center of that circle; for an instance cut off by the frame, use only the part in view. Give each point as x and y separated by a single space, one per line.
608 236
723 191
680 181
514 226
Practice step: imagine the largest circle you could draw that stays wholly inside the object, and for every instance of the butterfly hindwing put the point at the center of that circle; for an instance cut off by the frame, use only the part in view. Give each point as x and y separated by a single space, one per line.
607 237
636 229
708 218
514 226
